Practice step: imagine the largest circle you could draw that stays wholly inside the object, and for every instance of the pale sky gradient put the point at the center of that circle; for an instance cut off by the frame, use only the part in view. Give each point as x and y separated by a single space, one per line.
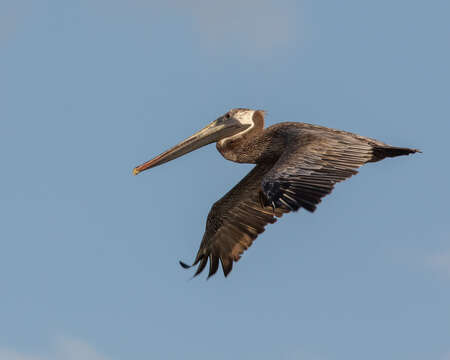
89 253
59 349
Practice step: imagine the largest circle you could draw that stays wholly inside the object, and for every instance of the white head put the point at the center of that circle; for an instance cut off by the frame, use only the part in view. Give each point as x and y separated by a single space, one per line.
244 117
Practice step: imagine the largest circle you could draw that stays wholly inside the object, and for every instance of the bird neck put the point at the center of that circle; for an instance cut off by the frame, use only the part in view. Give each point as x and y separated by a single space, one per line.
244 148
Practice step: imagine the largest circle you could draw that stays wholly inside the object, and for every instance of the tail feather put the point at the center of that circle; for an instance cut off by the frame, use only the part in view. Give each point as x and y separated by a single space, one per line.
381 152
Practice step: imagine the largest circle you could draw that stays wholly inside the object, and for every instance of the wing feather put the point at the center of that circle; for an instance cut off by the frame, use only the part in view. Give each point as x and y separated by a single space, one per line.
307 171
234 222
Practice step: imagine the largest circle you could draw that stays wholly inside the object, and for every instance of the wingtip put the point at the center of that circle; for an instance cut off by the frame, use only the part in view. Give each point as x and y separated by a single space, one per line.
184 265
413 151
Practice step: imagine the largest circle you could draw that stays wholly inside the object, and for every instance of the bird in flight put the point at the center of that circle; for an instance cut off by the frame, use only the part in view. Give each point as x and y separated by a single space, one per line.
296 165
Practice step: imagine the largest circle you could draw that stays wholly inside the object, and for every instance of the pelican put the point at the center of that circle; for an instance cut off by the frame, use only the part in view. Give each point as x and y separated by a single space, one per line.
297 164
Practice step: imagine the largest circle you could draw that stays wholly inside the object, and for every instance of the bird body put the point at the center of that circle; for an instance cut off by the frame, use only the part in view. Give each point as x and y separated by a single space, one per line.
297 164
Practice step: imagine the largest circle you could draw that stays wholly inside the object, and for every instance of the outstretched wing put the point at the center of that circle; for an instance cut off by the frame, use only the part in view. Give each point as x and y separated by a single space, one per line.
234 222
313 161
310 166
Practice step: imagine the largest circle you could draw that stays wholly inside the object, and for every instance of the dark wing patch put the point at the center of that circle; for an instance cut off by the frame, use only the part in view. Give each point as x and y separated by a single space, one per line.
309 168
233 223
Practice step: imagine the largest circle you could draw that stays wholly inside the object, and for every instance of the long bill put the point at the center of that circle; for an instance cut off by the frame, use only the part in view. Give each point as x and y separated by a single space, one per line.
215 131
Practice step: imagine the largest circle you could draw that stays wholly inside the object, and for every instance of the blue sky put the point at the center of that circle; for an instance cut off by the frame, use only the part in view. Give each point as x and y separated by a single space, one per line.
89 253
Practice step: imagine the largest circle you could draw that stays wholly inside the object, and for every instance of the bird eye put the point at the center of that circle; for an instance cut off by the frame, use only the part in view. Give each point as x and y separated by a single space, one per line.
227 116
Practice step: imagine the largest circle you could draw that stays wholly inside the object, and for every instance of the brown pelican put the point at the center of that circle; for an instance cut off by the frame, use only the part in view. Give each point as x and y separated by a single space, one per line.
297 164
